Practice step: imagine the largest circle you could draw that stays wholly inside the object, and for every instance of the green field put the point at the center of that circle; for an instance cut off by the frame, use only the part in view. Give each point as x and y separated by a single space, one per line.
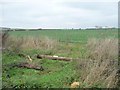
57 74
69 35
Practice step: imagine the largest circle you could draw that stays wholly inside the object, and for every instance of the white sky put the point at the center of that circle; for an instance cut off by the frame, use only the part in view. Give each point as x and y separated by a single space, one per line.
58 13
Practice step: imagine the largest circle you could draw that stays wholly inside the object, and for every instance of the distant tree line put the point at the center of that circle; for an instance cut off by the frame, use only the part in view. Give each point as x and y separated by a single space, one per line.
13 29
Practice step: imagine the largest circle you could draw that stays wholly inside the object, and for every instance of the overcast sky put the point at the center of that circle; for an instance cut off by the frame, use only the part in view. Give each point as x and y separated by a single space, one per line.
58 13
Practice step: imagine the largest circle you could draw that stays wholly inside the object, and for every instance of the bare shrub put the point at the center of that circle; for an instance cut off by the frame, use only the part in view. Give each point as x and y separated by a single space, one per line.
0 40
101 66
3 37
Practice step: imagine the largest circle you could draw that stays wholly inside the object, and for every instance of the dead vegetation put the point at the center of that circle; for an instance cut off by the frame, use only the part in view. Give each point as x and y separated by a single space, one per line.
3 38
38 43
100 68
0 39
28 43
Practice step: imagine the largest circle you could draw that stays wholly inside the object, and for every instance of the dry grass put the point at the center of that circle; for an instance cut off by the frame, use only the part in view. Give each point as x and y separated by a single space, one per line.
103 49
19 44
101 66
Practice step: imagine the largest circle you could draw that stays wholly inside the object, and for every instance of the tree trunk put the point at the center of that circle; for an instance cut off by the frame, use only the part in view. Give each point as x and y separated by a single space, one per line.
54 57
27 65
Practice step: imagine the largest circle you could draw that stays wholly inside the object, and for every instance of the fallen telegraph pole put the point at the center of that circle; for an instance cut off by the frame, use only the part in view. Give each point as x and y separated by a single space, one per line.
54 57
26 65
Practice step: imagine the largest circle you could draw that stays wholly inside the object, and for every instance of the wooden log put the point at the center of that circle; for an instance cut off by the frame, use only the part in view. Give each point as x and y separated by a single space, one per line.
27 65
29 58
54 57
26 56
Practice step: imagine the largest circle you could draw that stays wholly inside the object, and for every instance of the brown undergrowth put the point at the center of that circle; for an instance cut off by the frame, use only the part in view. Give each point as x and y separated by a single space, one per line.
100 66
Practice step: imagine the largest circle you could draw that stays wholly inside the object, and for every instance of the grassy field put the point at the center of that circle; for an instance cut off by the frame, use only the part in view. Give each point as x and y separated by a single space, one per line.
69 35
56 74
